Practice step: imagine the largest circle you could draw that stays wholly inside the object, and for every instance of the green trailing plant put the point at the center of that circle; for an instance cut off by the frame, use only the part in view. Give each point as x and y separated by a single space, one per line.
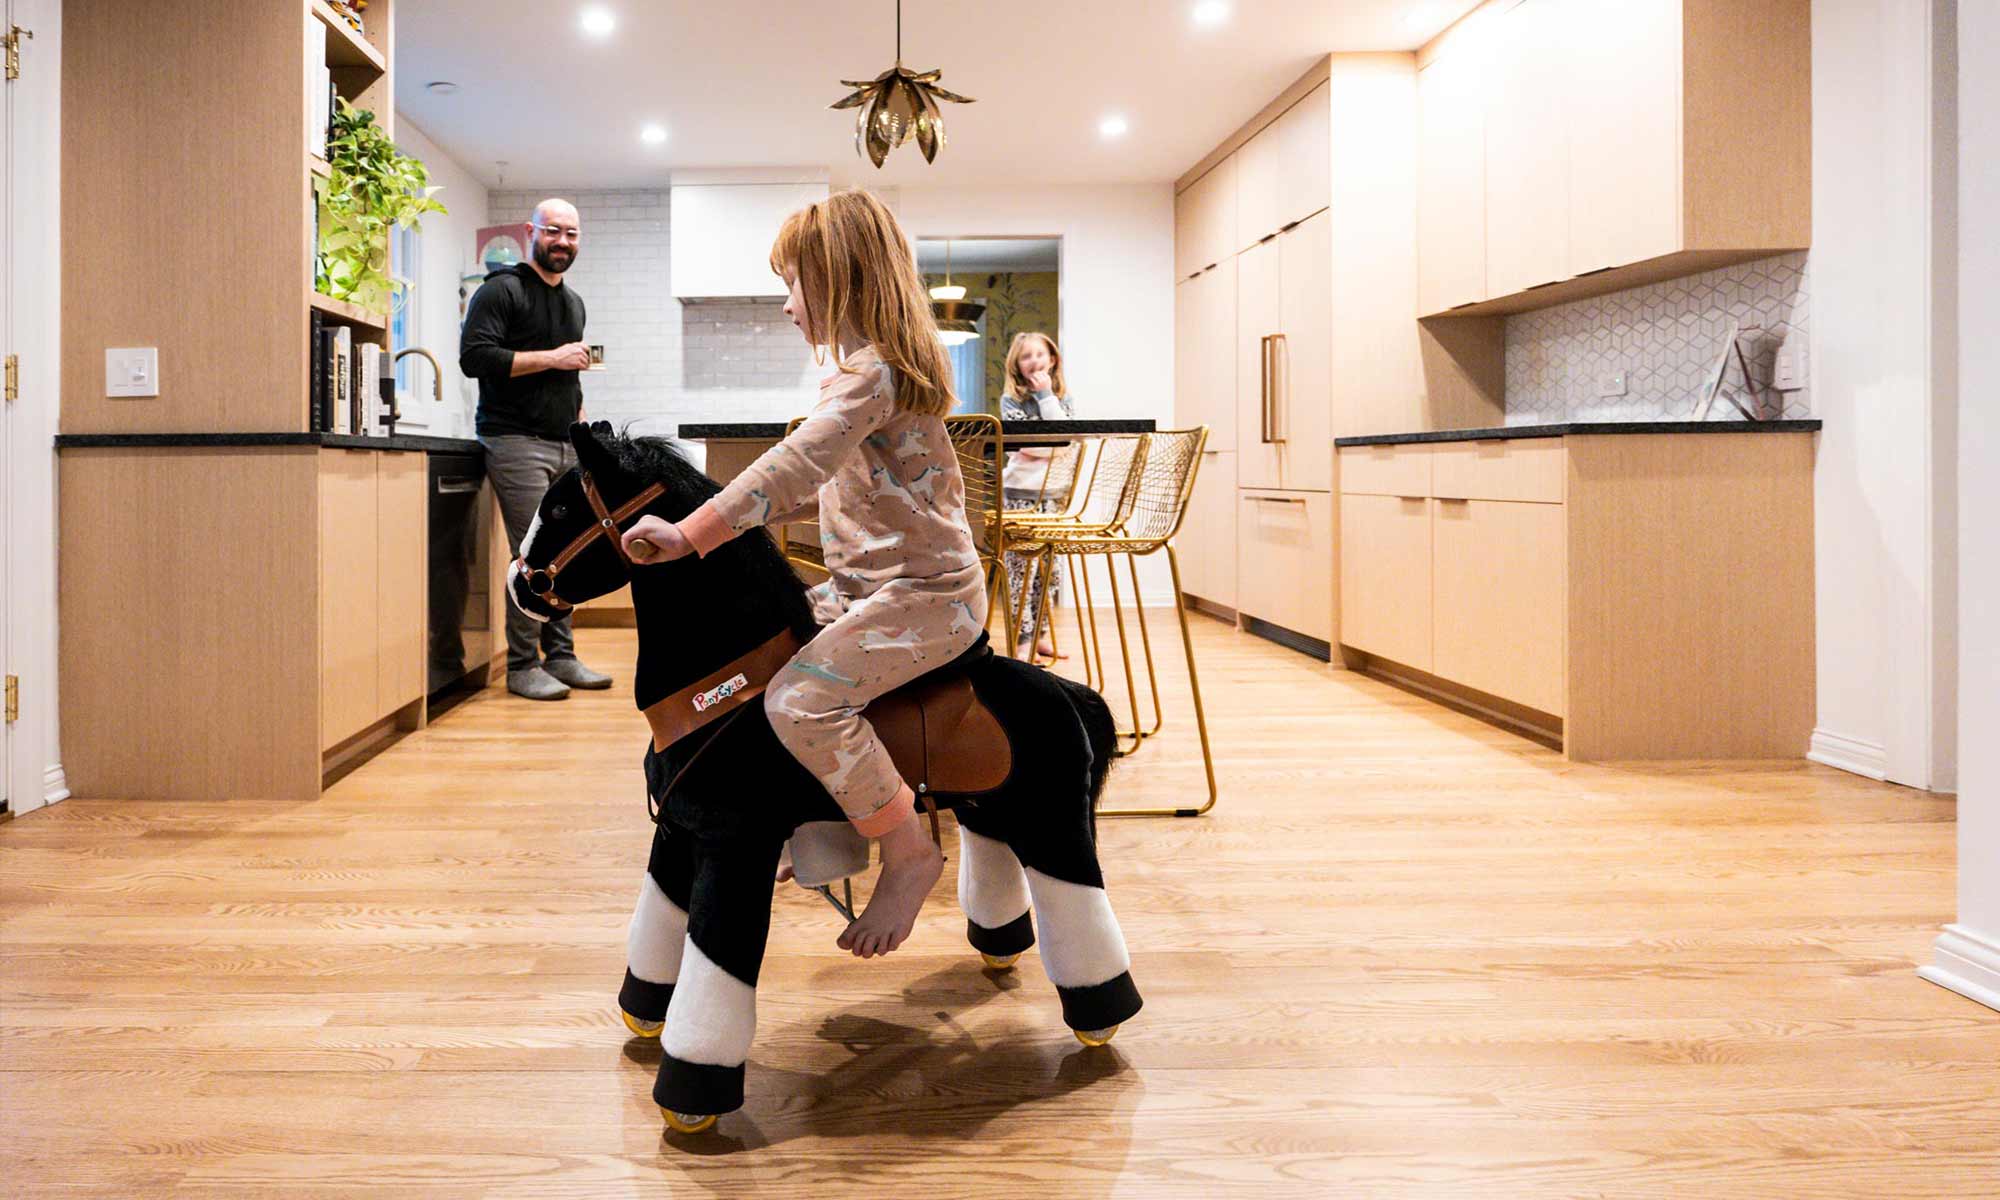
373 188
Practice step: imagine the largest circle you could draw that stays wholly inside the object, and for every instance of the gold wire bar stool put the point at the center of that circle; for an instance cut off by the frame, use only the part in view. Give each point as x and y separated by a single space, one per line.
979 445
1056 497
1107 501
1165 480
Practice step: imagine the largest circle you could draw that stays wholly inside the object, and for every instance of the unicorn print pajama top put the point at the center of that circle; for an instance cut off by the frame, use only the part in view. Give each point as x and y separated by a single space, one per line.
906 596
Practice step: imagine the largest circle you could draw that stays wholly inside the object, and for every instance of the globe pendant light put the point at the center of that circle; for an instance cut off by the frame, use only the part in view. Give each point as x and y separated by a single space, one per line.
957 317
897 105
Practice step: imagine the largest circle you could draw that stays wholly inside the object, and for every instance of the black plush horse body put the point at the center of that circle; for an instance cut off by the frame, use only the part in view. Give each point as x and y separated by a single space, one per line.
729 795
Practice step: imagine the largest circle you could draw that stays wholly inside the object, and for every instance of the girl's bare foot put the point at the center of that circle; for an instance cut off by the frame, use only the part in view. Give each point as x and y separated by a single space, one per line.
1047 649
911 865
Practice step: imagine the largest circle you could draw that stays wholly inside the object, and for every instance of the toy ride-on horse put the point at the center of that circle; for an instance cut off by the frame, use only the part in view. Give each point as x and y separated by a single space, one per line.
1019 754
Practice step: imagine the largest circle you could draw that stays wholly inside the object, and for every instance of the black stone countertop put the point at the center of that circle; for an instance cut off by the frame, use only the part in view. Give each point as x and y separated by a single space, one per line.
1514 432
343 441
773 430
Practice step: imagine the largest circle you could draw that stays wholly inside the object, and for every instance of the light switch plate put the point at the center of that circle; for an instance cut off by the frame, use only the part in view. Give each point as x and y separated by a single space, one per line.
1612 384
132 371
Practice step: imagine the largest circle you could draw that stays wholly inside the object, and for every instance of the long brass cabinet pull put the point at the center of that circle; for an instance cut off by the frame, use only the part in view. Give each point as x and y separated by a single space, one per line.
1281 401
1264 389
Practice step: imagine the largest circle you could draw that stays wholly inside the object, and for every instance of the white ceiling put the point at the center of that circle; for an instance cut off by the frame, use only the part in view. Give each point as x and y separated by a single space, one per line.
747 84
973 255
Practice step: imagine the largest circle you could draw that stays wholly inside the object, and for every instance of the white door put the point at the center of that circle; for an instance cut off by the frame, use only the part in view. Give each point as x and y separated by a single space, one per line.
9 235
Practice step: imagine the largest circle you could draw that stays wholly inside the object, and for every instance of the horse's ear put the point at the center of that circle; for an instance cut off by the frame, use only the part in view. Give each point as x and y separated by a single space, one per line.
592 454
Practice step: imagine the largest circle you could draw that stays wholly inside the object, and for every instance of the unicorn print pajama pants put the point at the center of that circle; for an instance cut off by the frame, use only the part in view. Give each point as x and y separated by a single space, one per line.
906 628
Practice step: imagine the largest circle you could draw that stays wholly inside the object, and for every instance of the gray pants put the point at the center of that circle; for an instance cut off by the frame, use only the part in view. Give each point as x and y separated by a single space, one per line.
522 468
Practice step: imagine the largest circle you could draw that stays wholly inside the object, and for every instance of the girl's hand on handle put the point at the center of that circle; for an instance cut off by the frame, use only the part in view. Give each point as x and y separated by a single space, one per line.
652 540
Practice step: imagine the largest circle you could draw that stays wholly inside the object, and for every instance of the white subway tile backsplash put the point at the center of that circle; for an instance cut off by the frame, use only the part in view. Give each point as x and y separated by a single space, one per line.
1664 337
669 362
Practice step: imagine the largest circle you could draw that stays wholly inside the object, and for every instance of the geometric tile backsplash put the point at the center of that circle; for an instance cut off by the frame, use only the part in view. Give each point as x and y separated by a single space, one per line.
1665 337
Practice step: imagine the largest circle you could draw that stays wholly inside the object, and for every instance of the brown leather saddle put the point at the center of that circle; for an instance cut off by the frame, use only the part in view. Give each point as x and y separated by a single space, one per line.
941 736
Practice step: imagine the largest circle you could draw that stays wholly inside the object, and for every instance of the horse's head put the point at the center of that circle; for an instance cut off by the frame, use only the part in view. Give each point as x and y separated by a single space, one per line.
572 552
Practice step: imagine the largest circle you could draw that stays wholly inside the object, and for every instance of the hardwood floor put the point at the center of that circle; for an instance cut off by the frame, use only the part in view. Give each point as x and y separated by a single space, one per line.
1409 955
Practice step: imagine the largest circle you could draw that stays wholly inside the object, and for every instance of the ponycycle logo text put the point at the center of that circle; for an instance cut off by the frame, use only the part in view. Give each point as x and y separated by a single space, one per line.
720 692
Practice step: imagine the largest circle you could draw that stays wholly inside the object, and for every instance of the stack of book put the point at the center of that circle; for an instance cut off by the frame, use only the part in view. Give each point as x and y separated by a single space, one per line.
320 91
349 381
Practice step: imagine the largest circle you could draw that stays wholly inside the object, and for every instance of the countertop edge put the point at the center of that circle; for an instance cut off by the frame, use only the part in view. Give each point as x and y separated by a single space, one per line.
339 441
1580 429
759 430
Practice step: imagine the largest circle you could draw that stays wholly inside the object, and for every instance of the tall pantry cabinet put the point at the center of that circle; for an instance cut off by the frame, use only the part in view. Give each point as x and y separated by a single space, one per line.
1287 258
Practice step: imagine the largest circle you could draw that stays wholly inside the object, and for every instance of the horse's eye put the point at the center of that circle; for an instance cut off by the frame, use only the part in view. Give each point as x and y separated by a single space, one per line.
559 512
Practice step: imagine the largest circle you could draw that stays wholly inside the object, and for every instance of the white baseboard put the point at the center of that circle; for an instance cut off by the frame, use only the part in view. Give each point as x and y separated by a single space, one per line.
55 784
1967 962
1849 754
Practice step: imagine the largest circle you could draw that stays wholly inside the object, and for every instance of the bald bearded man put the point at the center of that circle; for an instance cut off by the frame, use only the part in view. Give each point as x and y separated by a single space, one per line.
523 342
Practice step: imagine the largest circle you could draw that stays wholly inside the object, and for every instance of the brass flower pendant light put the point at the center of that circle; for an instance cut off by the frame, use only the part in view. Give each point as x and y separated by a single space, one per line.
897 104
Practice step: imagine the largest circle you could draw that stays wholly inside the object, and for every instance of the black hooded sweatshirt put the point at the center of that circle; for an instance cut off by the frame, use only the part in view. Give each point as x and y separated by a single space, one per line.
514 310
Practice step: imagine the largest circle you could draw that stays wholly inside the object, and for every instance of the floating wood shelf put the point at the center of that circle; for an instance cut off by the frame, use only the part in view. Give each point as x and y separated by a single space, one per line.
344 47
351 314
318 166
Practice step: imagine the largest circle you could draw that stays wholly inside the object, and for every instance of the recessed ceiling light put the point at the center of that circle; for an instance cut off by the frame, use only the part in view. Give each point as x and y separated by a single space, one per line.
598 22
653 135
1112 126
1210 13
441 87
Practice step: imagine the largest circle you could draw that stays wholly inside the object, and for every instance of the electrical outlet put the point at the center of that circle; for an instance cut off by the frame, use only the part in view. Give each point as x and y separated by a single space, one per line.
1788 373
1612 384
132 372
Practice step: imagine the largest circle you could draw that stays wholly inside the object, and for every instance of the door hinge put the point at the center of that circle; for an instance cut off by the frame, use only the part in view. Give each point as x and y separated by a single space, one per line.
14 37
13 378
13 698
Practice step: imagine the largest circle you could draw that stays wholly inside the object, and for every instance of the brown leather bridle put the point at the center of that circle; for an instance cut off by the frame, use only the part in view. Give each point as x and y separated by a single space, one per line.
542 580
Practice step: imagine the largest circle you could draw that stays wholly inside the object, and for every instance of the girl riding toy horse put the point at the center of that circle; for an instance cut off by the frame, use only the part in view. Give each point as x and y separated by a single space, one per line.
711 632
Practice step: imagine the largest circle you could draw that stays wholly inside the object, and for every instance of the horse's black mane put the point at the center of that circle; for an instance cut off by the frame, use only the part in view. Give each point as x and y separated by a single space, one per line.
754 556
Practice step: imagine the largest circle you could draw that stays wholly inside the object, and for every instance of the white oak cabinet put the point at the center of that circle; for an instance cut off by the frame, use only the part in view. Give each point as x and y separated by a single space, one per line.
373 528
1284 386
1205 353
1206 546
1205 220
1282 173
1608 144
1285 560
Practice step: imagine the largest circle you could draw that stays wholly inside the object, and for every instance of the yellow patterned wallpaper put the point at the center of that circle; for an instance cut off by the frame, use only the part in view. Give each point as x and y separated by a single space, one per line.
1016 301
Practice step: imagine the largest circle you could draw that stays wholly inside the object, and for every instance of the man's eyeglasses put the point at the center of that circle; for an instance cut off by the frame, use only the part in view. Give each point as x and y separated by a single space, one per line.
560 234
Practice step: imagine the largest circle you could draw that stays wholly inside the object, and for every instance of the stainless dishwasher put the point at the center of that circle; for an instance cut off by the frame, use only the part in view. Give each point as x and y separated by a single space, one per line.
462 636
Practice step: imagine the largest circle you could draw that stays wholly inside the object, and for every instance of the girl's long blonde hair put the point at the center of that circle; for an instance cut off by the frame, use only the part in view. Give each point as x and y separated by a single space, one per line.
1017 383
856 274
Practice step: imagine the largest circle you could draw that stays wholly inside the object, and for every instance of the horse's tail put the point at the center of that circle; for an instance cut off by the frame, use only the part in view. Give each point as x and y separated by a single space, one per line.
1099 728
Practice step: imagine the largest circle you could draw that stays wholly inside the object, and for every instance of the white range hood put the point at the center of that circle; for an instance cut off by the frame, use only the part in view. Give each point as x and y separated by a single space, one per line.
720 225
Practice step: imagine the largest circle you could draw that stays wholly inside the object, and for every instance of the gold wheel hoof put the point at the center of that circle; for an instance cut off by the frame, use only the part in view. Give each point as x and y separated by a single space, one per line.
644 1029
1095 1037
999 962
688 1122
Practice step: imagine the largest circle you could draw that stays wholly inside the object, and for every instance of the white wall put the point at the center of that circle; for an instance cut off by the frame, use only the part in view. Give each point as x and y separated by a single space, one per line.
32 253
1116 292
1968 953
447 256
1875 381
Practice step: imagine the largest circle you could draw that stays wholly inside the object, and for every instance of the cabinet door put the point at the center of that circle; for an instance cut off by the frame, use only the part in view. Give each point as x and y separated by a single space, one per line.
1385 577
401 543
348 587
1207 542
1305 159
1205 354
1260 169
1625 144
1205 220
1259 316
1529 101
1304 360
1451 179
1285 559
1500 590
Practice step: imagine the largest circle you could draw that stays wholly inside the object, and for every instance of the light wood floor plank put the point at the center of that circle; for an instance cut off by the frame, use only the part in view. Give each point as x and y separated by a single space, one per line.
1409 955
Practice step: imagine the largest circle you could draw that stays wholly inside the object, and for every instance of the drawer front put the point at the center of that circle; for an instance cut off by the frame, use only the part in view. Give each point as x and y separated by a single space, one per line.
1499 599
1386 470
1385 577
1528 470
1285 557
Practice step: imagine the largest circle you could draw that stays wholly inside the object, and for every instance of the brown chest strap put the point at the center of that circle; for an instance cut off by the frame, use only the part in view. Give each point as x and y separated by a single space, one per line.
720 692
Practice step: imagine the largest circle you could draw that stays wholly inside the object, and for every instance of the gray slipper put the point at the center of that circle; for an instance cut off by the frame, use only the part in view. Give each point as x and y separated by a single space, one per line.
575 674
536 684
